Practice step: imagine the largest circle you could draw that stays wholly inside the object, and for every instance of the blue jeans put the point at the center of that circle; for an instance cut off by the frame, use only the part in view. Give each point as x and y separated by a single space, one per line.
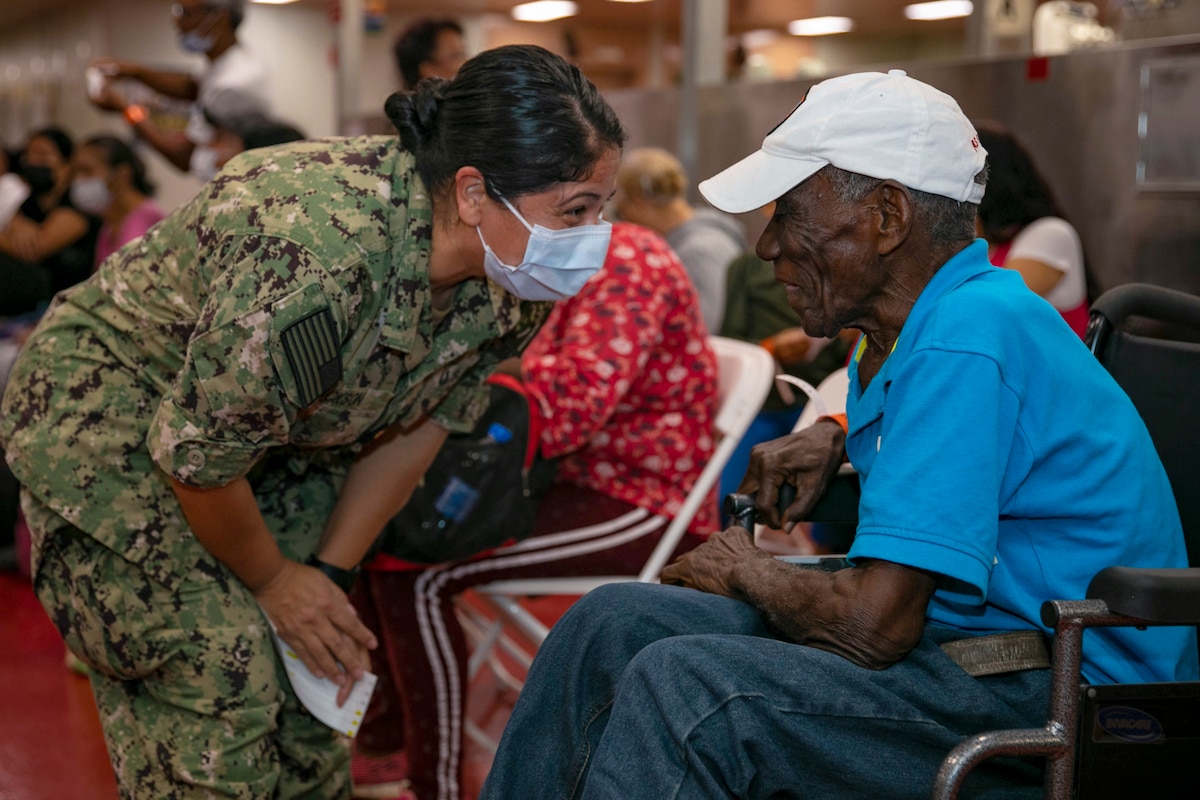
647 691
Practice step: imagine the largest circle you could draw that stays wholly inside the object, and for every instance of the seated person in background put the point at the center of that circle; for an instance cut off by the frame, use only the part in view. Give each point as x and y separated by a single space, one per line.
110 183
429 48
49 245
626 388
1026 229
1000 463
652 191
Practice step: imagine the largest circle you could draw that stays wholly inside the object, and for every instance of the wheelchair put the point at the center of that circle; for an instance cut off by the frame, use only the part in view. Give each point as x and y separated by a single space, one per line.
1125 740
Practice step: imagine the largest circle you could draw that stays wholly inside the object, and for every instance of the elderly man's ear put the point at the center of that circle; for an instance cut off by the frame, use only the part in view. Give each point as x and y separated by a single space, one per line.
894 210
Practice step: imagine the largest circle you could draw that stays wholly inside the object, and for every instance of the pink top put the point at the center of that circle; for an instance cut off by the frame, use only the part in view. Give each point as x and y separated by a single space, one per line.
625 381
136 223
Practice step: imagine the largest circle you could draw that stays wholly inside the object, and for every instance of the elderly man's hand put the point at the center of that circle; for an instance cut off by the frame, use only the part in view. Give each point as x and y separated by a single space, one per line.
710 566
807 460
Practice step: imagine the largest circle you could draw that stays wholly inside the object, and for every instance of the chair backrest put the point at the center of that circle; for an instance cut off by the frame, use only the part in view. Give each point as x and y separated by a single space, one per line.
829 397
1161 375
744 375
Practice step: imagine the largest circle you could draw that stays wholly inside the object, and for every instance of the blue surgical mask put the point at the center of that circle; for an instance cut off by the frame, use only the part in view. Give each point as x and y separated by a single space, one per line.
91 195
557 263
195 42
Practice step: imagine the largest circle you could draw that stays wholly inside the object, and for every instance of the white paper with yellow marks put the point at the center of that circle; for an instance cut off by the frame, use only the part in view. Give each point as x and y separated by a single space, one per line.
319 695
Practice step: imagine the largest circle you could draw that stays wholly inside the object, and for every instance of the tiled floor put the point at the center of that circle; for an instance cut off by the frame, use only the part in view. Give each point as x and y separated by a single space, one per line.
51 745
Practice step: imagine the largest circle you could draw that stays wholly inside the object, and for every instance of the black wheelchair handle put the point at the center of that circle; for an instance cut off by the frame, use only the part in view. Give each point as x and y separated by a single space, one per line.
740 507
1156 302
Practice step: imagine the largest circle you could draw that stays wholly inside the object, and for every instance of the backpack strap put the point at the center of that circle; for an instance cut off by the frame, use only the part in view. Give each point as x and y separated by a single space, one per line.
514 384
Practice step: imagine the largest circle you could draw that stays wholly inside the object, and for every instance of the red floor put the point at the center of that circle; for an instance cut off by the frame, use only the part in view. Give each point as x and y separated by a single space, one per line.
51 745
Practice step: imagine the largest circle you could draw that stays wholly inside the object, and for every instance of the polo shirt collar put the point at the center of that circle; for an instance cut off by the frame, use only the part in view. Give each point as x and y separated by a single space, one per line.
963 266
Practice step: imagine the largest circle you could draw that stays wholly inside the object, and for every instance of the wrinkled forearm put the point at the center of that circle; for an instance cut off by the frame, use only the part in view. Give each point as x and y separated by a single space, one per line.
873 615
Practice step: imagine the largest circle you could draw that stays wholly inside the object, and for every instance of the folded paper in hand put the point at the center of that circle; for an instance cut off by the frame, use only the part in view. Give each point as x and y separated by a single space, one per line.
319 695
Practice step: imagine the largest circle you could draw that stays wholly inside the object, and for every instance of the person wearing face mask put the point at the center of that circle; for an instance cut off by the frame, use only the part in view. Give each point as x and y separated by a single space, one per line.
110 183
49 244
261 380
208 28
625 389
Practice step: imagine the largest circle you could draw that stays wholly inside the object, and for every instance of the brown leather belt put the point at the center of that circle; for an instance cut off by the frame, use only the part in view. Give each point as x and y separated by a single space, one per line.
999 652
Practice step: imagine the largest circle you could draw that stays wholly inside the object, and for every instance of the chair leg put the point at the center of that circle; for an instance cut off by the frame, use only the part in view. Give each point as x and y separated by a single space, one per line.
476 735
486 636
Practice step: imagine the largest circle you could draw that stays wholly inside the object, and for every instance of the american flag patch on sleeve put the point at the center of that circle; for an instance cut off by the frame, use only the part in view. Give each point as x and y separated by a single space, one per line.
312 352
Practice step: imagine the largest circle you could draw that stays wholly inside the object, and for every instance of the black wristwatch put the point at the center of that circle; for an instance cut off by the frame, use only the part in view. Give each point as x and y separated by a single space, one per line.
344 578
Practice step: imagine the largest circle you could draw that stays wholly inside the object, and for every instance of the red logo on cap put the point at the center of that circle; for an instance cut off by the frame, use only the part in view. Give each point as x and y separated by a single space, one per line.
975 142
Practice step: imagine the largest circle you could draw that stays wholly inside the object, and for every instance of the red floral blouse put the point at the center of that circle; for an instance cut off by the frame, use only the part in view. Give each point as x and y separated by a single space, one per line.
625 380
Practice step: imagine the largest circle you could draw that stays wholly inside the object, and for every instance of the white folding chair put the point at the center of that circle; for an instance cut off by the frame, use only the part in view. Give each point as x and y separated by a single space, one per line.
829 397
745 372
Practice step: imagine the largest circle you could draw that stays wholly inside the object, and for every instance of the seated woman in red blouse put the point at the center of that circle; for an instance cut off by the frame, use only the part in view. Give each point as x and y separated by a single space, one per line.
627 389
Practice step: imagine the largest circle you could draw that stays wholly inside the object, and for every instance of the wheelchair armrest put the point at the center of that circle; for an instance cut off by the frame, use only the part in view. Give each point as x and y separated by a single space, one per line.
840 501
838 504
1156 595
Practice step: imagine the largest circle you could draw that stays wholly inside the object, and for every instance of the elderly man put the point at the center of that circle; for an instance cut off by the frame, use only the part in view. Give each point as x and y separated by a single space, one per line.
1000 465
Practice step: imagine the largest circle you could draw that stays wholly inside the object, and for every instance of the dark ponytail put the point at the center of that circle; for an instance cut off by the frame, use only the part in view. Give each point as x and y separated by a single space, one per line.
414 113
521 115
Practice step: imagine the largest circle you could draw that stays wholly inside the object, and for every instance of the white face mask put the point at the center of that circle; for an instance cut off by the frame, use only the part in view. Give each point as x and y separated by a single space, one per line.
203 164
91 195
557 263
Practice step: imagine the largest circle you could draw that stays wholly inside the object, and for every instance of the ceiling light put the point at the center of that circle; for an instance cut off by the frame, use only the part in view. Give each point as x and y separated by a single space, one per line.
273 2
761 37
631 1
544 10
940 9
820 26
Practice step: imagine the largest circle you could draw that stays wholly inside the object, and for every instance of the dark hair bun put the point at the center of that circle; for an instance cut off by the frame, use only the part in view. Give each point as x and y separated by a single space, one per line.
414 113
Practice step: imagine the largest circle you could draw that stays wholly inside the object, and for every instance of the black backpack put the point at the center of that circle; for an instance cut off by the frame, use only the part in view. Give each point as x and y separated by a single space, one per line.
481 491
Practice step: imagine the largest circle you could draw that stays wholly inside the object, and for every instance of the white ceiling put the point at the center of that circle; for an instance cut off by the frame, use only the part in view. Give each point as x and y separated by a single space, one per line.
873 17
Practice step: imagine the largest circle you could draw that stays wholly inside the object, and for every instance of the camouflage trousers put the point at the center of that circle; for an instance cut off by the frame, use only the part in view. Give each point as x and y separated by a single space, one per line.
192 696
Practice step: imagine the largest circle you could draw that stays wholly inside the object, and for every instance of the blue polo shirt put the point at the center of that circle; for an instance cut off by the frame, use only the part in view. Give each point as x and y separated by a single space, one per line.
996 451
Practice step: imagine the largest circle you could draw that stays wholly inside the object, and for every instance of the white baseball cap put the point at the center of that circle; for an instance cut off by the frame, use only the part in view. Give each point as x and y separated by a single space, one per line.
883 126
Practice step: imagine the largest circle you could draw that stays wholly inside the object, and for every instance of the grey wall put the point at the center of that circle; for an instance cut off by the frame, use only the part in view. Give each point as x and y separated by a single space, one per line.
1081 123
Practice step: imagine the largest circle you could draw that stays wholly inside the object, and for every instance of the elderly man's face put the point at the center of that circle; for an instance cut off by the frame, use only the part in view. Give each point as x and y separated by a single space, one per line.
824 256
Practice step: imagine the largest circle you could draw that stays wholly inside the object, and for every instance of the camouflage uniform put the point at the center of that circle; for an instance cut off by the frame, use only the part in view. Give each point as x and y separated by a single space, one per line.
267 329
